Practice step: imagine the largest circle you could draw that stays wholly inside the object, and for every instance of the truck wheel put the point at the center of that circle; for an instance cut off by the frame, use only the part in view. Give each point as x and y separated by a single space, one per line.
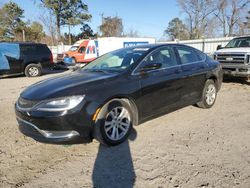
33 70
209 95
114 123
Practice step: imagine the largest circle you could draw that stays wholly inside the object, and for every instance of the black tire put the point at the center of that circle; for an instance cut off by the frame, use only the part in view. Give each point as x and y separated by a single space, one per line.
204 102
100 133
33 70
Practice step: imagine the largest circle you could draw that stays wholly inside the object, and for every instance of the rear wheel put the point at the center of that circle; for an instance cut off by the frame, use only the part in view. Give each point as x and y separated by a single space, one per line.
209 95
114 123
33 70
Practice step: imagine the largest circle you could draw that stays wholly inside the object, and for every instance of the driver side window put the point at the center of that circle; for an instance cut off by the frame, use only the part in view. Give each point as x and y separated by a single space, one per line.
165 56
82 50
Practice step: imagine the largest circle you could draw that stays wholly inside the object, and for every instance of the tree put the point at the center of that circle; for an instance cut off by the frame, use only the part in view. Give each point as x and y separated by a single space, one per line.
49 22
111 27
198 13
35 32
67 12
247 23
86 32
10 21
131 33
230 14
177 29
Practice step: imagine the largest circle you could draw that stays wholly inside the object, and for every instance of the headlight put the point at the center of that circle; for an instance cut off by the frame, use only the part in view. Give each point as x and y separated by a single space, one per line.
60 104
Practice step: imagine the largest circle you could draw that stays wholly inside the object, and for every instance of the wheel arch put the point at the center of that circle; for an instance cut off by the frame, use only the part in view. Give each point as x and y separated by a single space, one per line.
214 78
131 102
25 64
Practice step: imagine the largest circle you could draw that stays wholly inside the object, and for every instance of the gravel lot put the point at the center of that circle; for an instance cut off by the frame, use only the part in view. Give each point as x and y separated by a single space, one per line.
191 147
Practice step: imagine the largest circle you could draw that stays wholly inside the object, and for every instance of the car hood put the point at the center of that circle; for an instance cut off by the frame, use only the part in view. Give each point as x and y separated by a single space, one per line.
72 84
234 50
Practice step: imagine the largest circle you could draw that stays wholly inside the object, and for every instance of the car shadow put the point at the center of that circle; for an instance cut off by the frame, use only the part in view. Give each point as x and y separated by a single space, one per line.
114 166
236 80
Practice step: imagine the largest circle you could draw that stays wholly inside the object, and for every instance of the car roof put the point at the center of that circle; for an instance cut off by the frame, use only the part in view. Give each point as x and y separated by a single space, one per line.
22 43
153 46
242 37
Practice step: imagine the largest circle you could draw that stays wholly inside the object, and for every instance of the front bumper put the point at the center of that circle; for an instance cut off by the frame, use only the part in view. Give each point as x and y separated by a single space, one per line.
237 70
67 129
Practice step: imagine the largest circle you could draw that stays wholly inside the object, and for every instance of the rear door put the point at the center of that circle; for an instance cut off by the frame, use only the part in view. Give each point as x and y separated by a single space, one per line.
15 65
29 53
161 88
194 71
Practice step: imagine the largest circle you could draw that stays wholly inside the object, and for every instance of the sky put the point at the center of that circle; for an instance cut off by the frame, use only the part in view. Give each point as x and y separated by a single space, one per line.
150 18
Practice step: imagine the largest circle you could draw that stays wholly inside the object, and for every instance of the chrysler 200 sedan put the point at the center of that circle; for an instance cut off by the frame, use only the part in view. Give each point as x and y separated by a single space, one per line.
117 91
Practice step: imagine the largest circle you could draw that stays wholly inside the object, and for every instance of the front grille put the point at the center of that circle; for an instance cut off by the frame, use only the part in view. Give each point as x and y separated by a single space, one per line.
231 58
23 103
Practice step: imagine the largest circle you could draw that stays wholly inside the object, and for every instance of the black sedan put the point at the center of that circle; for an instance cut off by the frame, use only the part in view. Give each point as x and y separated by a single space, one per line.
117 91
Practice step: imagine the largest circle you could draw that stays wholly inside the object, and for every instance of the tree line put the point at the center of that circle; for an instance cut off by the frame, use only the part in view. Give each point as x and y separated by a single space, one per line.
210 18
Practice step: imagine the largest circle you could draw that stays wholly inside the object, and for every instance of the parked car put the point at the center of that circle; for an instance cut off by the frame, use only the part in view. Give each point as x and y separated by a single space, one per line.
85 51
28 58
235 57
117 91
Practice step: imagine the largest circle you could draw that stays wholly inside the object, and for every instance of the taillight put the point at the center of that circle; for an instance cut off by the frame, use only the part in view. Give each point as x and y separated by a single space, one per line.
51 58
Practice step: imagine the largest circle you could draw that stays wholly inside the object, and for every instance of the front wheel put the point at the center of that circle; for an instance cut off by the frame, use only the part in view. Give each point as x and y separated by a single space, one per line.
209 95
114 123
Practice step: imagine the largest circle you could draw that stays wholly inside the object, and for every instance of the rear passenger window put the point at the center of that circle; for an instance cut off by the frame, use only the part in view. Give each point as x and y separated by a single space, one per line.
28 49
187 55
201 55
31 50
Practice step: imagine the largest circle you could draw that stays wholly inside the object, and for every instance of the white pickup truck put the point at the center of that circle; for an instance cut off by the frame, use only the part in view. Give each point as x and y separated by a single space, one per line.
235 57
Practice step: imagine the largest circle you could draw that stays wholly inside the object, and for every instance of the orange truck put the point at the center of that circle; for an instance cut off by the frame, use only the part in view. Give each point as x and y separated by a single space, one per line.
85 51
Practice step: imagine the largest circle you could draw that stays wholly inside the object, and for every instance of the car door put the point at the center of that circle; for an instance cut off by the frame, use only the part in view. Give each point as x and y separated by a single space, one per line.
194 71
160 88
15 65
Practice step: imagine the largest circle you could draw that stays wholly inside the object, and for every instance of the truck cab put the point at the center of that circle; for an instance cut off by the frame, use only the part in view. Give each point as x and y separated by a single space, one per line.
83 51
235 57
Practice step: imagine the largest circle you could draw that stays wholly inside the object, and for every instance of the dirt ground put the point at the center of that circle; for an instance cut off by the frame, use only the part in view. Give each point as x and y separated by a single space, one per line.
191 147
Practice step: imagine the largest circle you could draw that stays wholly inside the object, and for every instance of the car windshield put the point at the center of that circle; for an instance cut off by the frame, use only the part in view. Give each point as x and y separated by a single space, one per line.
118 60
73 48
239 43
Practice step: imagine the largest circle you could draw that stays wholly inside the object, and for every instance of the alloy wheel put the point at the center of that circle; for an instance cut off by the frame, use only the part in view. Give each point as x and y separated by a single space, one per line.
117 123
210 94
33 71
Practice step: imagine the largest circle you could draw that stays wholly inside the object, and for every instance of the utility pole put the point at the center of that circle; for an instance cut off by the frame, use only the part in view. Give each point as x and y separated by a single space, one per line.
69 35
102 16
23 35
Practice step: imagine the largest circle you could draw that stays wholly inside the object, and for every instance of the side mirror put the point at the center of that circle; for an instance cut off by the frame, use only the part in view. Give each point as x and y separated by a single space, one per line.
219 47
151 66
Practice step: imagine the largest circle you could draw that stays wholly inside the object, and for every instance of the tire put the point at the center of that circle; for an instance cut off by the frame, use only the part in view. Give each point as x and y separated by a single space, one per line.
209 95
33 70
105 128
